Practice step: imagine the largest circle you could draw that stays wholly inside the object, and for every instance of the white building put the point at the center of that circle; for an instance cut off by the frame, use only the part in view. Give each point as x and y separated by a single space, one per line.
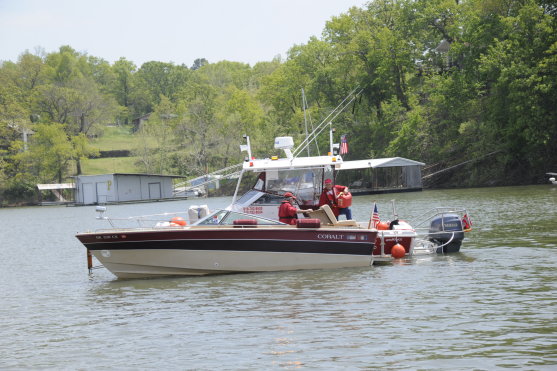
121 187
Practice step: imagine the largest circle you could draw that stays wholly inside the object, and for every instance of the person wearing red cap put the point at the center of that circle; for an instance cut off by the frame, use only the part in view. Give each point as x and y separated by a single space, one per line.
330 195
288 213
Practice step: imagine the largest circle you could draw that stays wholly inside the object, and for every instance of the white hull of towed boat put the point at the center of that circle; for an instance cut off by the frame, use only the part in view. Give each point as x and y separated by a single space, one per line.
157 263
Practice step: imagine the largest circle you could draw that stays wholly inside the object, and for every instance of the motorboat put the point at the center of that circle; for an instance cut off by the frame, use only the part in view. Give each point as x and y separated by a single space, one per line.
226 241
552 178
247 236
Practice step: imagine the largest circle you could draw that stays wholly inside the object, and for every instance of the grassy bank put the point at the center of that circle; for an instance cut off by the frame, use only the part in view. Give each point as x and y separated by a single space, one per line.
113 138
110 165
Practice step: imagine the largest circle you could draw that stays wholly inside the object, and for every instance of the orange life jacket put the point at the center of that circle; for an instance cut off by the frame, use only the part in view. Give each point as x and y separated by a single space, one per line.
287 213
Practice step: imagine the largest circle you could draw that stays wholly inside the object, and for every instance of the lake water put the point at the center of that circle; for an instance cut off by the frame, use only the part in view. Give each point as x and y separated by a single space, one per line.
492 306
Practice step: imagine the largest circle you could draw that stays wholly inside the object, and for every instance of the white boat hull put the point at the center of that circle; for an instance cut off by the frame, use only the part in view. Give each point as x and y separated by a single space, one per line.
146 263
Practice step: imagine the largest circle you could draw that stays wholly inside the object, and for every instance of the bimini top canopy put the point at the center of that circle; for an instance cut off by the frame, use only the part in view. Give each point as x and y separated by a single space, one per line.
378 162
298 162
322 161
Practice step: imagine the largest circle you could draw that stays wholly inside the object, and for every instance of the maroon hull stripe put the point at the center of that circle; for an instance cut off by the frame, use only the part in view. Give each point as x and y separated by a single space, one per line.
293 240
311 247
240 233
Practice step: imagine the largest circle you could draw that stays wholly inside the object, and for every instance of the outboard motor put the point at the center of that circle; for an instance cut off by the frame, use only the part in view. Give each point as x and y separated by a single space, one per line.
446 231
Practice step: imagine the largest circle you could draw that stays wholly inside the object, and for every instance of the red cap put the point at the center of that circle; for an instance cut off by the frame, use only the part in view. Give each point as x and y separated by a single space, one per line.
289 194
328 181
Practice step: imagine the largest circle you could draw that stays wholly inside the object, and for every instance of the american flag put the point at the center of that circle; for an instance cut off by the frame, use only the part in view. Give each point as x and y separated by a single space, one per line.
375 217
343 145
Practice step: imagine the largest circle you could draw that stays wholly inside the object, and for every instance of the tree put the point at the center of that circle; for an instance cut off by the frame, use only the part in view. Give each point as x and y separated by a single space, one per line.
521 88
198 125
68 89
156 133
157 79
124 86
240 114
49 154
198 63
224 74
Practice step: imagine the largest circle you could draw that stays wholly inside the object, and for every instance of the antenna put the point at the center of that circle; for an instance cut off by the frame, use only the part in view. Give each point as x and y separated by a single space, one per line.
331 132
314 138
395 214
327 120
246 147
304 103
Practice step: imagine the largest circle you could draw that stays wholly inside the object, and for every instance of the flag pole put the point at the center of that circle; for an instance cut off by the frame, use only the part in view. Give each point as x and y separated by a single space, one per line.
395 214
371 215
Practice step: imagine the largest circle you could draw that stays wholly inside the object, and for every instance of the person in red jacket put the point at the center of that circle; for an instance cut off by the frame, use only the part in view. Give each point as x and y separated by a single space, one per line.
288 213
329 196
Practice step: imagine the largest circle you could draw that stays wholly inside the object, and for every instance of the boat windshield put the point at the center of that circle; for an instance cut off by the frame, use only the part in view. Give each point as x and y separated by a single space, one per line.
227 217
305 184
251 196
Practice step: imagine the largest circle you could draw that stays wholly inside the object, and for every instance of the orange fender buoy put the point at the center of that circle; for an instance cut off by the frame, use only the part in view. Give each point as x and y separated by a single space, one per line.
178 220
382 226
398 251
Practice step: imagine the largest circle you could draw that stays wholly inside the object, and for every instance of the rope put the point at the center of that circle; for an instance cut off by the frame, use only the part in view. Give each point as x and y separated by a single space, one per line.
460 164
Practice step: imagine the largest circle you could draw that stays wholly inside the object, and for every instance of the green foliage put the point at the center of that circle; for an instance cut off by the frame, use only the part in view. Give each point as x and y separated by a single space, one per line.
198 63
114 138
17 189
49 154
442 82
94 166
157 79
124 88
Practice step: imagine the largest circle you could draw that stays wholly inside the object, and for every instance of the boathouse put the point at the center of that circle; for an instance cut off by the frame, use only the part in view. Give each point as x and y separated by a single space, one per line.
382 175
122 187
60 193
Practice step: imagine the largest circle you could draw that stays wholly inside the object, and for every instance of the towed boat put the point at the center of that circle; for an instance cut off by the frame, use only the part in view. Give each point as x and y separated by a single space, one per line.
247 236
440 230
227 242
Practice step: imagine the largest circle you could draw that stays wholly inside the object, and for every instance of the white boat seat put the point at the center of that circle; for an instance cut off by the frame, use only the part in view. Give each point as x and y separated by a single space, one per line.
327 217
321 215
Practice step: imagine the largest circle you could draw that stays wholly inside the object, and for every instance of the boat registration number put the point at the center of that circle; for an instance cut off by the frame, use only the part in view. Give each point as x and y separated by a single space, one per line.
109 237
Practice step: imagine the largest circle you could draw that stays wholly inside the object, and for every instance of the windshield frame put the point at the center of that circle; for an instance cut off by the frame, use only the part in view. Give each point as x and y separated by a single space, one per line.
227 217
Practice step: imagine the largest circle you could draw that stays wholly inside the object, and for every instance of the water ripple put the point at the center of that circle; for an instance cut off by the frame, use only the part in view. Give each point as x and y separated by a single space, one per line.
493 306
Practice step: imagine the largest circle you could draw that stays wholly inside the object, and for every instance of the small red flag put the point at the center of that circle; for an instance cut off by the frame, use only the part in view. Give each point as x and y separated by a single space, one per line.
466 223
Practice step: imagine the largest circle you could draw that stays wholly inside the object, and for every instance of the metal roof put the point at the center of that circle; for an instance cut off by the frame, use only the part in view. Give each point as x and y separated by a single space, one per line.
379 162
135 174
43 187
